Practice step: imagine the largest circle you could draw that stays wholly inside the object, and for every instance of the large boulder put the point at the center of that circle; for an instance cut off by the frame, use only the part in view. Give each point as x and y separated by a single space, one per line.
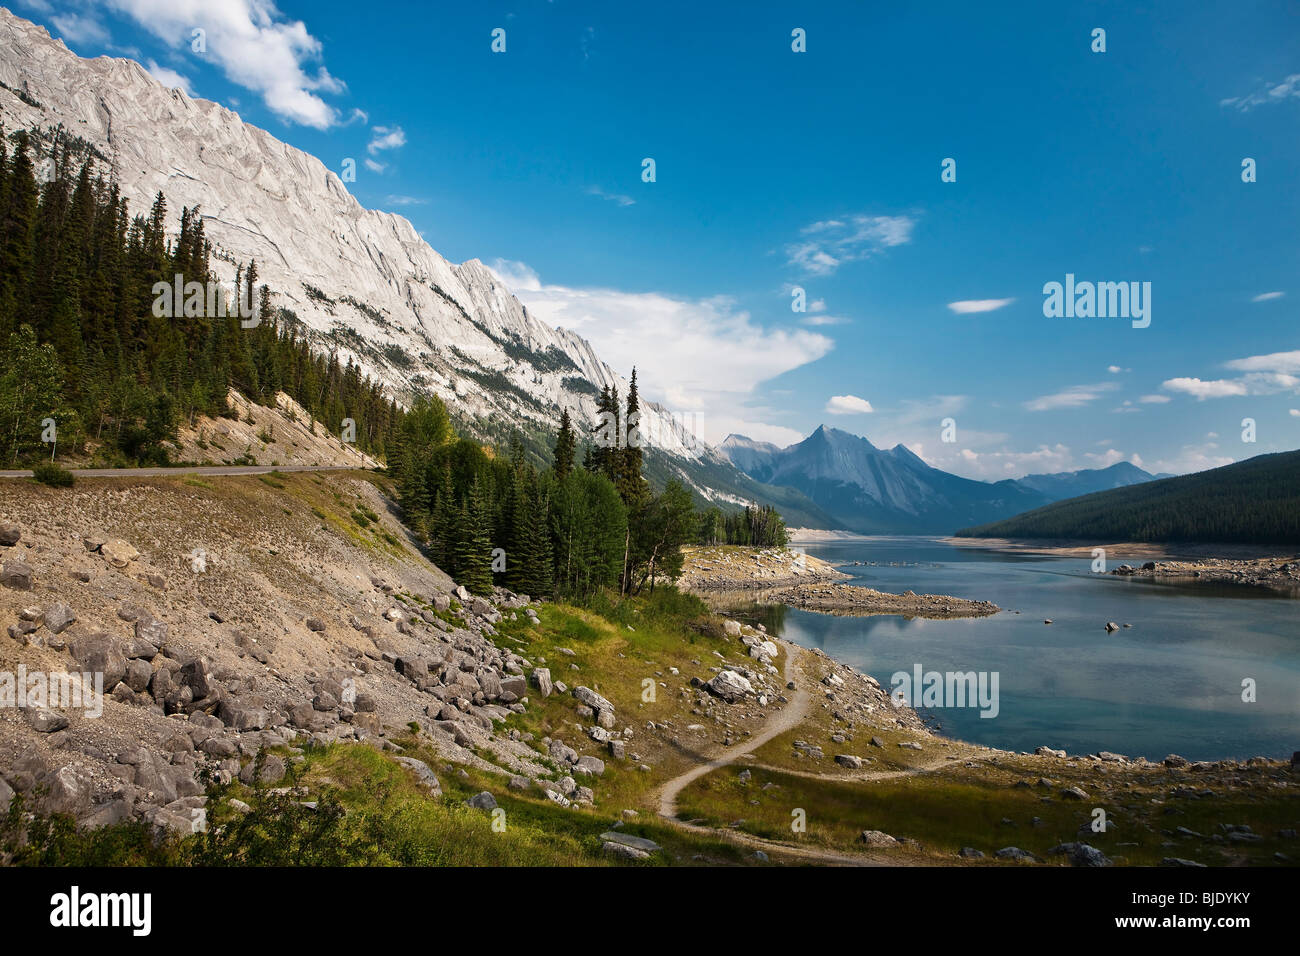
16 575
59 618
1081 854
423 775
589 767
65 791
877 839
100 653
118 553
729 685
562 753
138 675
542 681
592 699
45 721
9 534
272 770
248 712
195 675
149 628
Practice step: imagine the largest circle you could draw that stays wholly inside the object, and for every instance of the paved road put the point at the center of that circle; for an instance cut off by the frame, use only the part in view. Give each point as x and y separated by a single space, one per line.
189 470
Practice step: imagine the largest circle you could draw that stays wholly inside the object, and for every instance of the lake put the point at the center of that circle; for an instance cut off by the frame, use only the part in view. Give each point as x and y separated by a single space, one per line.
1172 683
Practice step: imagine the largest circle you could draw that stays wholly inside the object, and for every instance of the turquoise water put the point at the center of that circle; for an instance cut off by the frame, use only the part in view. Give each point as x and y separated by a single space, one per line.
1170 684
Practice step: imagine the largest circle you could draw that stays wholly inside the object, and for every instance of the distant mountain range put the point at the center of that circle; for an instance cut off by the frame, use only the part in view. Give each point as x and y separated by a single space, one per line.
1256 501
873 490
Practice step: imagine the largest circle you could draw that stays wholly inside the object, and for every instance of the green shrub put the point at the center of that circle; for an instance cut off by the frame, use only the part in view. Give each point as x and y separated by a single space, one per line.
53 474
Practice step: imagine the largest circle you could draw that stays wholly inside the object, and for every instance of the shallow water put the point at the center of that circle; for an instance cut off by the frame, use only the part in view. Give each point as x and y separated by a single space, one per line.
1172 683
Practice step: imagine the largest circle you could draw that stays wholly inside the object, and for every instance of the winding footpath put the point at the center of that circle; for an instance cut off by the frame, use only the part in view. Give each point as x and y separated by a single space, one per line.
791 716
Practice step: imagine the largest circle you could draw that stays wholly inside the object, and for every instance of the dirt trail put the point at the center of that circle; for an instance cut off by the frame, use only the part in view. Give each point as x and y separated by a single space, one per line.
788 718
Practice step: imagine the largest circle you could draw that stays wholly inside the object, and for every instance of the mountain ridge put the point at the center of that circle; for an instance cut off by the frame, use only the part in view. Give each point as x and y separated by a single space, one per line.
871 489
362 281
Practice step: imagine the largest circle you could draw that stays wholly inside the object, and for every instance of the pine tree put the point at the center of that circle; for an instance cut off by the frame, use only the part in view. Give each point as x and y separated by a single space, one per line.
564 447
444 526
474 545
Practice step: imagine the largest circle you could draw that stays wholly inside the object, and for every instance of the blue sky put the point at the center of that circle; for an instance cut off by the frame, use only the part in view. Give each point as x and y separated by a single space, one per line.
821 170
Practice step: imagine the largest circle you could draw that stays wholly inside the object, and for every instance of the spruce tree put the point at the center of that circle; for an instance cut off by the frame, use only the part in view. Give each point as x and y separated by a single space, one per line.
565 446
474 548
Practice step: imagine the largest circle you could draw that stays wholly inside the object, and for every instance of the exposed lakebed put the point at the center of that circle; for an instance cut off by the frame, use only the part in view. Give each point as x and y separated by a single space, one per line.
1172 683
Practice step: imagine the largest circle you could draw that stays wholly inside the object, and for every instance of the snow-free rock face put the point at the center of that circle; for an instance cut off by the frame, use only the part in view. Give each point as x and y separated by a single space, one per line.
875 490
363 281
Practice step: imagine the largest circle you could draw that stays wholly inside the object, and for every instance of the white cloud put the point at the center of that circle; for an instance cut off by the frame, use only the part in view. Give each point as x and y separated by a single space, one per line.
1201 390
76 28
997 465
848 405
1192 458
1110 456
778 435
405 201
968 306
375 167
169 77
1271 93
255 46
698 355
1294 412
816 320
825 246
1155 399
385 137
1264 375
1274 362
612 197
1075 396
1267 296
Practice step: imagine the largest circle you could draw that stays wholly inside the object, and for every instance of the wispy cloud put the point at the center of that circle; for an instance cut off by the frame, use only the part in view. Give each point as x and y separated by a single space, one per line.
1264 375
1075 396
848 405
77 28
385 137
1288 88
405 201
675 343
969 306
1267 296
169 77
1280 363
825 246
254 45
612 197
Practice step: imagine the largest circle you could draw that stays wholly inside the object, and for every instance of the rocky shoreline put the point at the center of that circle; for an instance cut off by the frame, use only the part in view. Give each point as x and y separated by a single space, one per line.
1281 574
729 575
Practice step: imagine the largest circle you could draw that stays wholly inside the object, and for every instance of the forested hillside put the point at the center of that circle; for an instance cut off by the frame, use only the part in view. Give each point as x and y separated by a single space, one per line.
84 347
1250 502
